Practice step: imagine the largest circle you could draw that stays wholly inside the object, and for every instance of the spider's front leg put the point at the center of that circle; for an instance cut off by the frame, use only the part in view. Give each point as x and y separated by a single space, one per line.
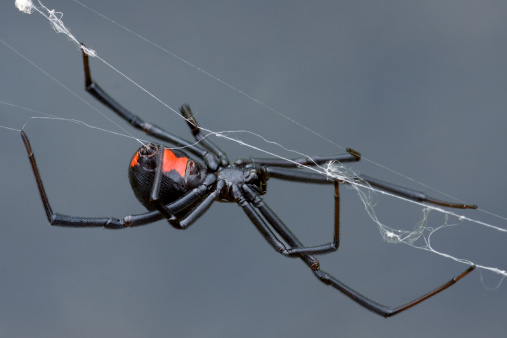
187 114
209 158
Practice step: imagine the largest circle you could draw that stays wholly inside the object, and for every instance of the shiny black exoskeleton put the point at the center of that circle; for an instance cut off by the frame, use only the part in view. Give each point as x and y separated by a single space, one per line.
173 186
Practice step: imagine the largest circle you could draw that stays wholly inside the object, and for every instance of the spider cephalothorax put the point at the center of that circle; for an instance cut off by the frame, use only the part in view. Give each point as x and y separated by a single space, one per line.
173 186
180 174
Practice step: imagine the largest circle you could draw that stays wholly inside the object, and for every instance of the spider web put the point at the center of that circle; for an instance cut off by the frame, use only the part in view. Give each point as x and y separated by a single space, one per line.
419 237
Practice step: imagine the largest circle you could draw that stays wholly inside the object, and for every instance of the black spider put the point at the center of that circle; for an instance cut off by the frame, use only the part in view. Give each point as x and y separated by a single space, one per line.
173 186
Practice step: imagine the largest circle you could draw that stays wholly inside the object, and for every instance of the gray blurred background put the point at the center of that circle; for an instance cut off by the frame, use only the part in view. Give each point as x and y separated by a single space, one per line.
418 87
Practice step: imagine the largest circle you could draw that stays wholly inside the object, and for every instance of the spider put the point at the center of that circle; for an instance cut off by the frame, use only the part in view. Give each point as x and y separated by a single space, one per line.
175 187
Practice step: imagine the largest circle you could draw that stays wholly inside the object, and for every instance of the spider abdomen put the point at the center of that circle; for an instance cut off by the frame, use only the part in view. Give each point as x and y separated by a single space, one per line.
179 174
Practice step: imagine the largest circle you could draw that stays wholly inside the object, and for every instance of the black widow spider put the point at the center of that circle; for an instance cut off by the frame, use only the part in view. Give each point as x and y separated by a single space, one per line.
173 186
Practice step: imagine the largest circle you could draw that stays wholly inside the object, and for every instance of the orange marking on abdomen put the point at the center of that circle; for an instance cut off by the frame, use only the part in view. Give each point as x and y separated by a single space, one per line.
171 162
134 160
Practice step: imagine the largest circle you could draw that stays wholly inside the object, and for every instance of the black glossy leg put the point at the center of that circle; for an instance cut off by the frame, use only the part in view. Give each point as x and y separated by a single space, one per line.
281 228
378 308
411 194
290 174
328 279
350 156
135 121
197 211
331 246
106 222
186 112
263 228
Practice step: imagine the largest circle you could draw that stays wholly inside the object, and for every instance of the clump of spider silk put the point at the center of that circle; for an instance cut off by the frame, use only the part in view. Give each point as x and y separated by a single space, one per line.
337 171
54 17
25 6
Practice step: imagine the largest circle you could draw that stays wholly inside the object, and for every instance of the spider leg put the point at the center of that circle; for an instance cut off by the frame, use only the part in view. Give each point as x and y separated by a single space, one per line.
350 156
197 210
135 121
378 308
328 279
281 228
411 194
186 112
107 222
155 190
261 225
297 175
